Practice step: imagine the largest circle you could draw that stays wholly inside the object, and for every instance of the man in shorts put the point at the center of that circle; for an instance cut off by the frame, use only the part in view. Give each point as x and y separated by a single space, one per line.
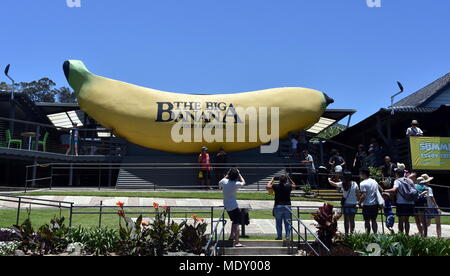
369 201
405 207
230 184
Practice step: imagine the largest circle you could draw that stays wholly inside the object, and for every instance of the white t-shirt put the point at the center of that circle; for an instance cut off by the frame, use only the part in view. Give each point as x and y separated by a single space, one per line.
414 131
230 189
350 195
400 198
310 166
370 188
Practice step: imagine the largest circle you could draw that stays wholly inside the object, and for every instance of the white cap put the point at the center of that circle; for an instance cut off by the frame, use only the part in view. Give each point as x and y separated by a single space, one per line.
338 169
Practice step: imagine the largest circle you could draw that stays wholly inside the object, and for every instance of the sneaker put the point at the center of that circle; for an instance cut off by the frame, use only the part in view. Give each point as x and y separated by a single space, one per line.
279 239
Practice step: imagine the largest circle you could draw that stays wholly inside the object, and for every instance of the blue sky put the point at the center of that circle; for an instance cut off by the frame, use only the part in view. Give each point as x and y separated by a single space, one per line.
343 47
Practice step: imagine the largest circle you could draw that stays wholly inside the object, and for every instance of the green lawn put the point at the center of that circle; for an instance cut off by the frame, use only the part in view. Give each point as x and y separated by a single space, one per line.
199 195
110 219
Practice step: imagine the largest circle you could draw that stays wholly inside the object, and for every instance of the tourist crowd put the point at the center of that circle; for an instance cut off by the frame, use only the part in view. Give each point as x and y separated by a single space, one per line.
409 193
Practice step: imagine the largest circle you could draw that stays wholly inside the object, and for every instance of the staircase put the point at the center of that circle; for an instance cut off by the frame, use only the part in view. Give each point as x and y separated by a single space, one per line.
140 176
328 194
261 183
133 179
261 248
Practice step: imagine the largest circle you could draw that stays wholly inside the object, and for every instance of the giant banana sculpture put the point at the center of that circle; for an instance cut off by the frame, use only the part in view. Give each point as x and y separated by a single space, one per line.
150 117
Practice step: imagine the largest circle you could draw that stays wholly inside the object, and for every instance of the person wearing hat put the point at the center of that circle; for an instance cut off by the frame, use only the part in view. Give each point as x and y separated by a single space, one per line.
414 130
336 177
421 205
205 168
405 206
432 211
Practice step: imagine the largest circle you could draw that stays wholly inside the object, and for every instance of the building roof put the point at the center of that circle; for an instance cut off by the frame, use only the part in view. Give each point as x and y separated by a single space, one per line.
329 118
423 95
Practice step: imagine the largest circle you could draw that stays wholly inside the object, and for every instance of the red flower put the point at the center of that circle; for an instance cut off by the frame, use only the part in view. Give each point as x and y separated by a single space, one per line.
120 204
155 205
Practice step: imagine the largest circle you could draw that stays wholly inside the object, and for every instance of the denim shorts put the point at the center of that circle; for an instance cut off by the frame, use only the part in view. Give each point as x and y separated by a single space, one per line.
349 209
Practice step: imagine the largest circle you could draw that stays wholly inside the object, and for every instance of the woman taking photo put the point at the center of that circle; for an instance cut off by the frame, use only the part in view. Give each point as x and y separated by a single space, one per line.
349 200
282 208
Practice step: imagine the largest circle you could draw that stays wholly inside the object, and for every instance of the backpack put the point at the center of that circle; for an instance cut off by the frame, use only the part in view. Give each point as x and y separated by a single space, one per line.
408 190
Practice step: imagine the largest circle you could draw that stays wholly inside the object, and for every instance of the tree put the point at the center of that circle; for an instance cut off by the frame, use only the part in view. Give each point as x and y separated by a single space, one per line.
39 91
65 95
4 86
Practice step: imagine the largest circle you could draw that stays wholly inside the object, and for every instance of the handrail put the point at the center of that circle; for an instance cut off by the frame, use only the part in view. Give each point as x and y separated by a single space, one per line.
38 199
215 235
307 231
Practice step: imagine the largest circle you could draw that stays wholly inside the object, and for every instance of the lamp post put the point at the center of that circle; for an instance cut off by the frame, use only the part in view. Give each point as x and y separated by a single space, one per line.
12 109
395 95
12 80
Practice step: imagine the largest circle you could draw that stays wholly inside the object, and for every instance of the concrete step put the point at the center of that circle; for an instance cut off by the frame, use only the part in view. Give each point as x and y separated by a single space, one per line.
265 243
258 251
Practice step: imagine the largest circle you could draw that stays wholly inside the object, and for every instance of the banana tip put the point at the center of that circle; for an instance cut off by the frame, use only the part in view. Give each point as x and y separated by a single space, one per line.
328 99
66 68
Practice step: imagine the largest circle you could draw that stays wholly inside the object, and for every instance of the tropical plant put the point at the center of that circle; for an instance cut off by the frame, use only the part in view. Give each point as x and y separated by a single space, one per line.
307 189
28 240
175 242
376 173
326 224
50 237
96 241
193 236
398 245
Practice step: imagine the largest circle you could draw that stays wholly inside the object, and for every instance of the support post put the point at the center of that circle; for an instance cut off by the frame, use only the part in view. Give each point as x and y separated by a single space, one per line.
100 214
33 182
36 138
70 214
18 211
99 178
71 174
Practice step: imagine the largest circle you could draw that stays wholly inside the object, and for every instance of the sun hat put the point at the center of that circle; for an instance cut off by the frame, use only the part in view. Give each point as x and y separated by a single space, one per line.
424 178
401 166
338 169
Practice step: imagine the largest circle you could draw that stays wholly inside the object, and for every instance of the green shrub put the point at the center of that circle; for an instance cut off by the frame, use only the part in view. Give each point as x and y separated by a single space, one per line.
97 241
399 245
8 248
193 236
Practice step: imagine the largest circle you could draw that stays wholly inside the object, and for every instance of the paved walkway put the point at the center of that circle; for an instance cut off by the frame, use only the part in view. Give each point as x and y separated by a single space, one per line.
256 227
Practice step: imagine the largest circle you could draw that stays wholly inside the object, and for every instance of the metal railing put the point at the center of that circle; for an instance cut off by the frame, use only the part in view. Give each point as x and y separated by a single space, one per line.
304 239
187 172
30 201
38 137
101 210
214 240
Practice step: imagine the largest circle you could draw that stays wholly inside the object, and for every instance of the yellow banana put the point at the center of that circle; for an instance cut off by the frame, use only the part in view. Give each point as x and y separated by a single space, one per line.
147 116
